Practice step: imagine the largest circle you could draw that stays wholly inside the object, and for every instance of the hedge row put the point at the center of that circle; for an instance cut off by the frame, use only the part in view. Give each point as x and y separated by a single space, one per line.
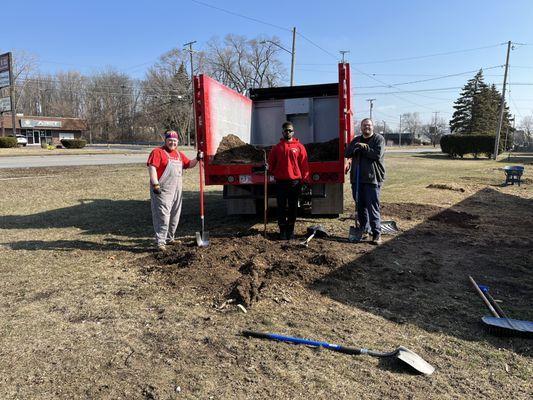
73 143
459 145
8 141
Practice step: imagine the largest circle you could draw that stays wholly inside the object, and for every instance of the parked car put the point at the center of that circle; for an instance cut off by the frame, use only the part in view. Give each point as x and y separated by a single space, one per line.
21 140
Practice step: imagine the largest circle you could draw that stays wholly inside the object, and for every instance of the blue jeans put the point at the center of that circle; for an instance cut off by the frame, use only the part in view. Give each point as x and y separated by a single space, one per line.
368 208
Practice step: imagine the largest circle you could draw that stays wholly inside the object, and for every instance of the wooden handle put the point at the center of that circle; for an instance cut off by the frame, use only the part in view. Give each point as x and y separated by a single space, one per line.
483 297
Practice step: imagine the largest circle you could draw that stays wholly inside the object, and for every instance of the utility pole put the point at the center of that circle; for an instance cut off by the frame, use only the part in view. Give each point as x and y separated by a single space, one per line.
193 113
400 134
293 53
502 104
12 95
435 127
384 127
371 106
343 52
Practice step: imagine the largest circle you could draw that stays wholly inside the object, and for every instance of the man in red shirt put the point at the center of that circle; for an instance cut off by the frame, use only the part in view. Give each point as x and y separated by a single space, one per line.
288 163
165 167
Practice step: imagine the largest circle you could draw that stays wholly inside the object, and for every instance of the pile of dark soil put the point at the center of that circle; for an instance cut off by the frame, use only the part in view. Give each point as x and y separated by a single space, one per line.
232 150
242 268
324 151
445 187
460 219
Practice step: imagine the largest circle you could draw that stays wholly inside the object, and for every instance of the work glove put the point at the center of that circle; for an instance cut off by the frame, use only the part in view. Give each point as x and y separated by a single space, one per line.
362 146
156 188
200 155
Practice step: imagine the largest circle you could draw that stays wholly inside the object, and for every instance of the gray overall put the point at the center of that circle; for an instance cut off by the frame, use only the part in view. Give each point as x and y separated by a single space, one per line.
166 207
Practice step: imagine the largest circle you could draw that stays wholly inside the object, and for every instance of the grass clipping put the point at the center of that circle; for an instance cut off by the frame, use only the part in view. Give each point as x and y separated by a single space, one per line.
232 150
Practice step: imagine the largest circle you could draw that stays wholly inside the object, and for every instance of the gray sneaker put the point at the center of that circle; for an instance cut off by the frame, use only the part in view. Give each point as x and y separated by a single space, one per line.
376 239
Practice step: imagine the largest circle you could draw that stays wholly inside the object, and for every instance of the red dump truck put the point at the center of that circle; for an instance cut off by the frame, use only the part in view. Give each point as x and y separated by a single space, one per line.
322 118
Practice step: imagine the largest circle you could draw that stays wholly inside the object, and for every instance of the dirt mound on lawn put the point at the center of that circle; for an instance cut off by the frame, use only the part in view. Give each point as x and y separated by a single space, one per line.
232 150
241 268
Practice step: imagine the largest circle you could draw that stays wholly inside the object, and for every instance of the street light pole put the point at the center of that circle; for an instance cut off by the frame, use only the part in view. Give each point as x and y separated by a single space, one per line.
292 53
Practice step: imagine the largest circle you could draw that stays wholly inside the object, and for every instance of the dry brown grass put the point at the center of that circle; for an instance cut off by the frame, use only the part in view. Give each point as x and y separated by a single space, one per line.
81 317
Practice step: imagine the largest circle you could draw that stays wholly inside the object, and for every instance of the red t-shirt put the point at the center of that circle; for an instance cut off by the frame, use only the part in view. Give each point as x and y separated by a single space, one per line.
159 159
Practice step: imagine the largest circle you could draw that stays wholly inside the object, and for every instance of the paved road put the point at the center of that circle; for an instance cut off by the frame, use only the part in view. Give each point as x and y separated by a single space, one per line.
107 159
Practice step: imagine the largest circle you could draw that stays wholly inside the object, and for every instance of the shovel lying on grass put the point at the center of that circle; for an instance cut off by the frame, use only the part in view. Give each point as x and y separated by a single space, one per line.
312 231
499 324
403 354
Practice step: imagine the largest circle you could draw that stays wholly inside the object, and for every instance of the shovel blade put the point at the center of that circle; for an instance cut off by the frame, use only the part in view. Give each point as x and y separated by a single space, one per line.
202 239
389 228
355 234
414 361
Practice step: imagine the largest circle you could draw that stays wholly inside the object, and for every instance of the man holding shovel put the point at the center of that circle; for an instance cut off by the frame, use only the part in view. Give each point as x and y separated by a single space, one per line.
288 163
365 157
165 167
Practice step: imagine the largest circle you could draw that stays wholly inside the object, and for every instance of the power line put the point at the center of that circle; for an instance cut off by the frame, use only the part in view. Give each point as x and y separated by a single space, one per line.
429 79
428 55
241 15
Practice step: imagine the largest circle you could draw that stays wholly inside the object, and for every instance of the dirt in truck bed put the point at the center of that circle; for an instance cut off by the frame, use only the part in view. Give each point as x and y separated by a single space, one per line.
232 150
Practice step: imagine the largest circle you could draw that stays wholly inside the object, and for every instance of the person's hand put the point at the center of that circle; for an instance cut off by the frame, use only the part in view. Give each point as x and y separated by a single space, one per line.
347 167
200 155
156 187
362 146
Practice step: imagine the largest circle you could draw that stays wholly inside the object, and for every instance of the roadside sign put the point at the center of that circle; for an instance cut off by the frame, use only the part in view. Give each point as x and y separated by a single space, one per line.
5 104
4 62
4 79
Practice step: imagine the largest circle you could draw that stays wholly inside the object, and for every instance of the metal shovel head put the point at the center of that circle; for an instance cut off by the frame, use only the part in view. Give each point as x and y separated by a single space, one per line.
414 360
318 230
389 228
355 234
202 239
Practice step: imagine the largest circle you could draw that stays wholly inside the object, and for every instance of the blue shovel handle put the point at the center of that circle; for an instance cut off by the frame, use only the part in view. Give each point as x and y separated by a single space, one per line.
313 343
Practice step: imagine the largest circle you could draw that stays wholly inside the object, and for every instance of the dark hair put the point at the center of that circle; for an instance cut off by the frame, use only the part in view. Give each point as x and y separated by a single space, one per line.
287 124
367 119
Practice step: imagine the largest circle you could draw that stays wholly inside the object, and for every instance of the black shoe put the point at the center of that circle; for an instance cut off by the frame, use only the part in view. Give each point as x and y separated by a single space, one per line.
290 232
283 232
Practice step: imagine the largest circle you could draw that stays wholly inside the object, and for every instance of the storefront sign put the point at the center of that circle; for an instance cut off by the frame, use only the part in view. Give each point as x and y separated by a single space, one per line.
39 123
4 79
5 104
4 62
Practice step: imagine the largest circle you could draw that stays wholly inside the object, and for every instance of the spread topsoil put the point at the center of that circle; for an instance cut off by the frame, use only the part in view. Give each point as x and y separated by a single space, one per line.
232 150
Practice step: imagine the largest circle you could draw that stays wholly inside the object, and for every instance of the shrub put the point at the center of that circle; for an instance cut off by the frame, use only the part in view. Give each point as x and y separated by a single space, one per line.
8 141
44 145
73 143
459 145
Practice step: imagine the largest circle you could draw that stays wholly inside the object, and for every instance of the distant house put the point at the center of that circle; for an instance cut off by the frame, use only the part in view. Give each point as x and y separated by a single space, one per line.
406 138
40 129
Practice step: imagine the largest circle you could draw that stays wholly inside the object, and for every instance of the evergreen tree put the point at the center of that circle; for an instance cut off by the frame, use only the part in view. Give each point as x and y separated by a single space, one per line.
477 110
466 105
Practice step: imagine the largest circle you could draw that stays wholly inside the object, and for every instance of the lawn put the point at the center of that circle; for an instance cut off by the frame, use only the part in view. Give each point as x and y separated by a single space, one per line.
88 309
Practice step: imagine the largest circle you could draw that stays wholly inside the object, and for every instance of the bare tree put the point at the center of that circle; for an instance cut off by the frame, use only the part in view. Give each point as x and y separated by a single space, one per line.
435 130
166 96
242 63
412 124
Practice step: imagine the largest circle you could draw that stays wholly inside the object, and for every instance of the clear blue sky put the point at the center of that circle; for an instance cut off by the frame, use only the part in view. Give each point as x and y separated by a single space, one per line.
90 35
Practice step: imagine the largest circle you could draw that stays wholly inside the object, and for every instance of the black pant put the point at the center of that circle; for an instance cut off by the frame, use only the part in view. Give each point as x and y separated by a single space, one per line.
287 192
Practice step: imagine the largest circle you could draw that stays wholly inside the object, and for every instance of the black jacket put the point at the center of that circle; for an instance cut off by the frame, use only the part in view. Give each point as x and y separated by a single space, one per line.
370 161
